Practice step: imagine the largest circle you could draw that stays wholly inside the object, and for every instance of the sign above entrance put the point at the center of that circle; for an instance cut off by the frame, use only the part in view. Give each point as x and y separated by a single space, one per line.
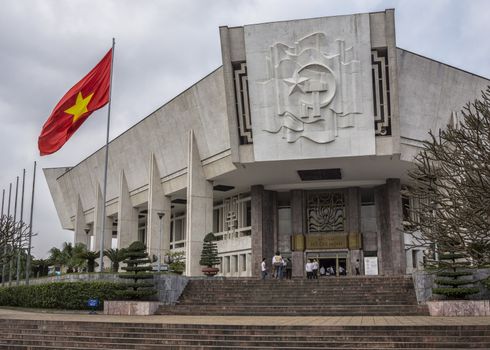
319 241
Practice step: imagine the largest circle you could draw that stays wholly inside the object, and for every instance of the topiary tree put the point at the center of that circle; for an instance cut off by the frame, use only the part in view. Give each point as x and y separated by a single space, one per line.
451 279
138 270
209 254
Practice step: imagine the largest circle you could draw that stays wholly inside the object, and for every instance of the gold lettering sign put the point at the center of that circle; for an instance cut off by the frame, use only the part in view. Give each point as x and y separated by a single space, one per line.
326 241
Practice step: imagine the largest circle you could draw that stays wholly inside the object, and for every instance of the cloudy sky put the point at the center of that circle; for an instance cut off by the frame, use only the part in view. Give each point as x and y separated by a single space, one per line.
162 47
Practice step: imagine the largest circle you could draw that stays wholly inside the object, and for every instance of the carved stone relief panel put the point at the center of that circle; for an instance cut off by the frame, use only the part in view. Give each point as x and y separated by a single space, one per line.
304 80
310 88
326 212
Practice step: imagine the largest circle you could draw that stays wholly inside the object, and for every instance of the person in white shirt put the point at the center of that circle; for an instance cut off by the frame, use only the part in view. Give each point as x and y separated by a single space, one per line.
277 263
315 270
309 269
263 269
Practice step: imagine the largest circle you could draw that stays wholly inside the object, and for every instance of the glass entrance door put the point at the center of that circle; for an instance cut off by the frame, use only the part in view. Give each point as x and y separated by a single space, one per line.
333 264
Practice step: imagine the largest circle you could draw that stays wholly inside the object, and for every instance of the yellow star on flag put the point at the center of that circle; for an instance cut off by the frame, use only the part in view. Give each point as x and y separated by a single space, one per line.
80 106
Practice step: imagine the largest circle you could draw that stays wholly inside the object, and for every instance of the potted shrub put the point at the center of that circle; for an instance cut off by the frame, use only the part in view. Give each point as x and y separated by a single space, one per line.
209 255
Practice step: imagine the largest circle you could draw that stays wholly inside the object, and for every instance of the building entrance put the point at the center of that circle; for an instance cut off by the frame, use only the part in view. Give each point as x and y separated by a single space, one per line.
332 264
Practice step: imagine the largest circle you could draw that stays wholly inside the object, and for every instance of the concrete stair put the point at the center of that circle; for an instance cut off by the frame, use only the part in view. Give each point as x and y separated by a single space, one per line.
344 296
32 334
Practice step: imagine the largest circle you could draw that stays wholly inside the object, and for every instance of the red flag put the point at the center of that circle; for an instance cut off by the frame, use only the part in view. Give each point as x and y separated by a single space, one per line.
88 95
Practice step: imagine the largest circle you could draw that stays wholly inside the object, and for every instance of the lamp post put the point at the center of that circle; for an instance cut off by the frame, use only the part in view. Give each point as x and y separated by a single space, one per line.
87 240
160 216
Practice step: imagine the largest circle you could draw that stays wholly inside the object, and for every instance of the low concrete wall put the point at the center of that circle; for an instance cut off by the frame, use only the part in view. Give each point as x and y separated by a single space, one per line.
73 277
424 282
169 286
130 308
459 307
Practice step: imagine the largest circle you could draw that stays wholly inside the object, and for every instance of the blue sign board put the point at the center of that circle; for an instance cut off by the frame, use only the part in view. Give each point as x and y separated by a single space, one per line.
93 302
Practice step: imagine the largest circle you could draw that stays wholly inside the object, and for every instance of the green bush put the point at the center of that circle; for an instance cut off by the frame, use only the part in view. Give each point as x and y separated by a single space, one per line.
177 264
60 295
455 292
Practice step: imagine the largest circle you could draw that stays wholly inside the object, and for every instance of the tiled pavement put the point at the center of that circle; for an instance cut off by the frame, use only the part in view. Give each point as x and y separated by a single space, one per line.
22 314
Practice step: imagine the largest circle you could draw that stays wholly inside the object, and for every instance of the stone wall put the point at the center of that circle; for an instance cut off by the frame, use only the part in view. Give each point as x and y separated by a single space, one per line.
169 287
424 282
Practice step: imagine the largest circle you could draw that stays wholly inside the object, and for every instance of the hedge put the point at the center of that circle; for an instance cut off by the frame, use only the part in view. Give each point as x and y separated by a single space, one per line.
60 295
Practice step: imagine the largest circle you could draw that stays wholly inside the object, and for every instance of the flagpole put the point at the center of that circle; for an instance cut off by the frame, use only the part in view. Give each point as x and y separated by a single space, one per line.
21 227
3 217
14 234
28 262
105 165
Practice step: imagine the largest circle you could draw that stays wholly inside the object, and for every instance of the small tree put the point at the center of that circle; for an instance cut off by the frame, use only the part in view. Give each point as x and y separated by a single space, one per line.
451 184
176 262
138 270
453 277
209 254
90 257
115 256
14 238
40 267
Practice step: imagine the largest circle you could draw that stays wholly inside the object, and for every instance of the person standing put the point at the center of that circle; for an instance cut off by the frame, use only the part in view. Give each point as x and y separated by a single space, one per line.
289 268
309 269
358 270
263 269
277 263
315 269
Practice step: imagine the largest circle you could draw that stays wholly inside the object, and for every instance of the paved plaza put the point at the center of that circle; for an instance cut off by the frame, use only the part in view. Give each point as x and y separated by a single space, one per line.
49 315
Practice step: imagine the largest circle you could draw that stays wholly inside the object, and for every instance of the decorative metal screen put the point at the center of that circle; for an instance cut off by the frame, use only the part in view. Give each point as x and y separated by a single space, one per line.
242 103
381 92
326 212
231 213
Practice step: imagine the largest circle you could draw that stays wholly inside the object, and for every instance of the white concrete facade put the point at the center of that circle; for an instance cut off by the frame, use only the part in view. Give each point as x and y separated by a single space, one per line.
304 117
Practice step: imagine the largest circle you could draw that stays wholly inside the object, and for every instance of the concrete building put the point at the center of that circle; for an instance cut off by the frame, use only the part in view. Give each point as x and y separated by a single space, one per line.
300 142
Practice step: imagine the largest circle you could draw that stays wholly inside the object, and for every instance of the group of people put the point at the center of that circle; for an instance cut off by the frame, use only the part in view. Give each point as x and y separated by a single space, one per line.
312 270
281 268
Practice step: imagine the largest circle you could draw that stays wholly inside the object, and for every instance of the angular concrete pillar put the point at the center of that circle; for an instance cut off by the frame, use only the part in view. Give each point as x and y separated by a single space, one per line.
127 216
353 211
80 224
158 233
264 226
389 217
396 226
99 220
298 226
199 218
